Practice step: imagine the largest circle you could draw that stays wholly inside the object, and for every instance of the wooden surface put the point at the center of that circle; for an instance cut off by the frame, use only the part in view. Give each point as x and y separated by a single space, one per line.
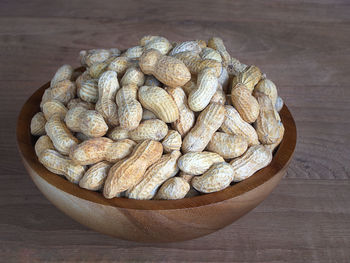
302 46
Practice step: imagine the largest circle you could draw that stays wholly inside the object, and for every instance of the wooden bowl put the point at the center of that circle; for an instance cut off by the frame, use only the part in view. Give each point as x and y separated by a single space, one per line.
153 220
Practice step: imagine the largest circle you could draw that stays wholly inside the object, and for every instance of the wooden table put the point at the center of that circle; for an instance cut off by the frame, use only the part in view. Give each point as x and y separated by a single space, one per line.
302 47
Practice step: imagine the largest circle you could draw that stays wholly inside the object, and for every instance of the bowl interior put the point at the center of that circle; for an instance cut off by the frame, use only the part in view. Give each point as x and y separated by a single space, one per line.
26 141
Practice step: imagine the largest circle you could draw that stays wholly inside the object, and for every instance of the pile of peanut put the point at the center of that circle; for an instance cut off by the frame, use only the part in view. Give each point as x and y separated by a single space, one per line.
160 120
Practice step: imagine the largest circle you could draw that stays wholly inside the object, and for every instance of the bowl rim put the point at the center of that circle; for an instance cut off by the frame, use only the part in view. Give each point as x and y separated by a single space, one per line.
25 144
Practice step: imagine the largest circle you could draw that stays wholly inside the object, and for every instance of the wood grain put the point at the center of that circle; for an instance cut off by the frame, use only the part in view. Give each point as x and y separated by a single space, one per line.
302 46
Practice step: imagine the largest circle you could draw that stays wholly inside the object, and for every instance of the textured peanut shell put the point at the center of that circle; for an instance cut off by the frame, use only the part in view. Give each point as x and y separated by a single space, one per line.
146 39
186 177
218 44
159 43
249 77
217 178
130 172
197 163
133 52
37 124
89 122
63 91
63 73
173 189
219 96
195 64
235 125
78 102
107 87
186 116
279 104
169 70
120 65
52 107
148 115
210 53
61 137
224 80
207 123
61 165
43 143
228 146
254 159
95 176
267 87
172 141
89 91
129 109
97 69
273 146
95 56
118 133
235 67
207 84
46 97
101 149
266 124
159 102
133 76
154 129
191 46
155 175
190 85
245 103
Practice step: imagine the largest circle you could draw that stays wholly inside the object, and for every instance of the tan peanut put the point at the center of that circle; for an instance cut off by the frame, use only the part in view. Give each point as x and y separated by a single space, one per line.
120 65
152 81
207 84
217 178
235 67
197 163
78 102
43 143
245 103
61 137
224 80
187 177
172 141
155 175
209 53
133 76
186 116
235 125
195 64
146 39
52 107
169 70
174 188
46 97
63 91
219 96
266 124
159 102
62 165
159 43
267 87
85 76
279 104
191 46
129 109
228 146
218 44
118 133
37 124
95 176
65 72
148 115
208 121
107 87
115 52
249 77
133 52
89 91
130 172
101 149
94 56
154 129
273 146
190 85
96 70
254 159
89 122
